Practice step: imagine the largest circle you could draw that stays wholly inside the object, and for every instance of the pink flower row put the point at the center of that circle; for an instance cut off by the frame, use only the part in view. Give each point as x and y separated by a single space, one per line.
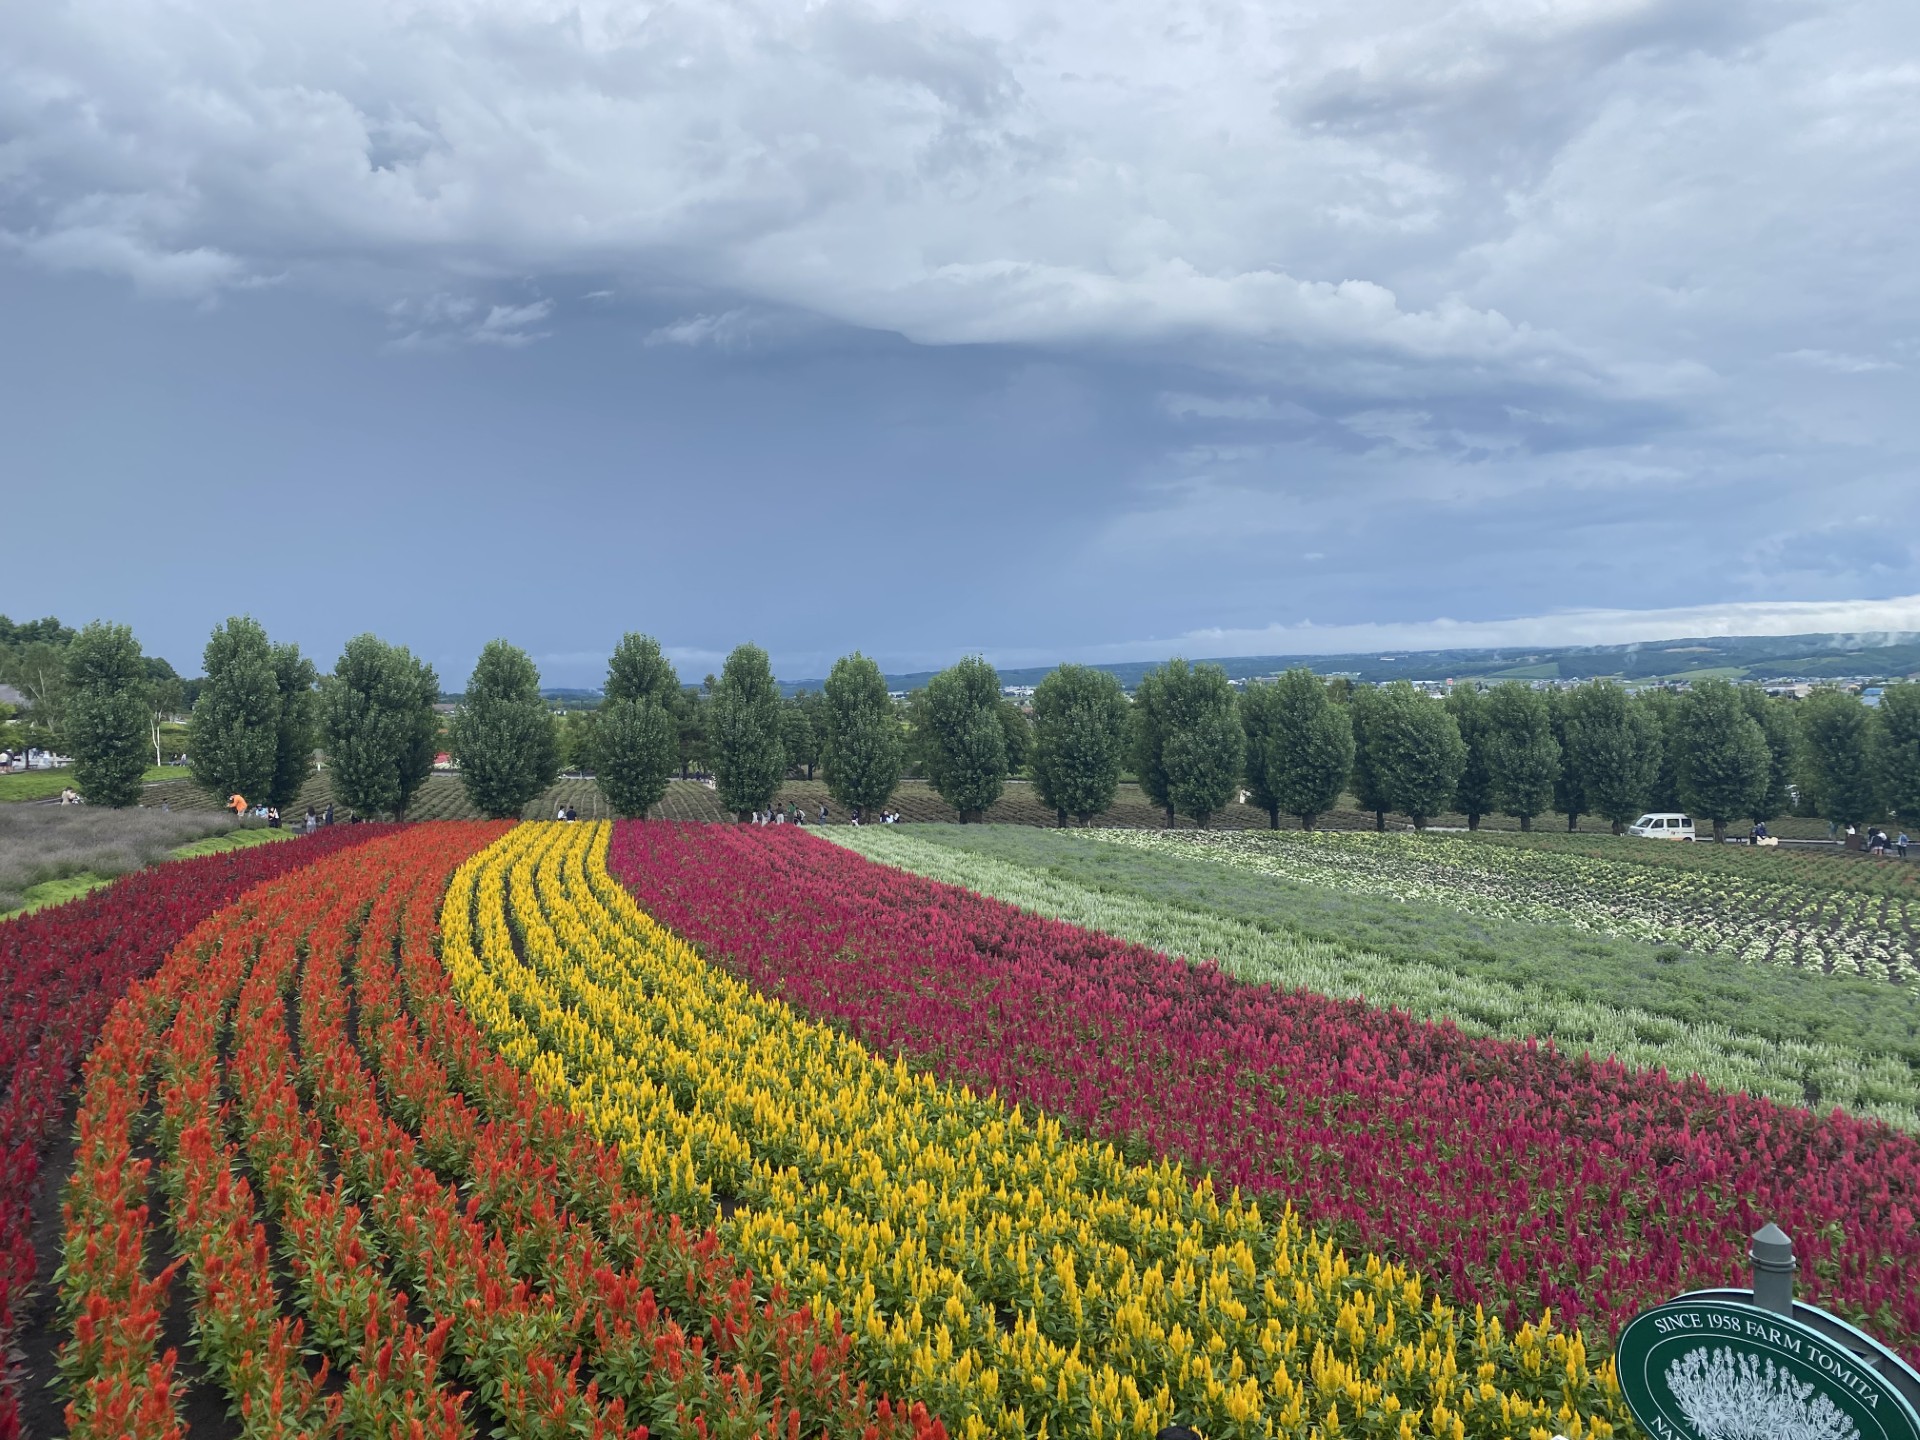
1521 1177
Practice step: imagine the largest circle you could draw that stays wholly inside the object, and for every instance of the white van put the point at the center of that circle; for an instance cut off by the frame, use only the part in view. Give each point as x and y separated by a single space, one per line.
1665 825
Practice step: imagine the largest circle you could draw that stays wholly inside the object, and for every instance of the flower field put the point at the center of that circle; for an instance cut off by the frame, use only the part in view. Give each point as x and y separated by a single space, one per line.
61 970
1018 1279
1800 1039
459 1254
715 1131
1768 914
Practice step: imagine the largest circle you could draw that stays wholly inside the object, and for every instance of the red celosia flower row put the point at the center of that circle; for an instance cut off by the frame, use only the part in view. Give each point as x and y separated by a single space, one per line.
563 1301
1524 1177
61 970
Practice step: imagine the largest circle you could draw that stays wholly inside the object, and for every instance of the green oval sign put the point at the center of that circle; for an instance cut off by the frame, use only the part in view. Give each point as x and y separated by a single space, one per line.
1719 1370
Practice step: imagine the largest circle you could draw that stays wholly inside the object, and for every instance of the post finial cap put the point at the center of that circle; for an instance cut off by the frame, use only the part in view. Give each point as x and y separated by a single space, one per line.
1772 1250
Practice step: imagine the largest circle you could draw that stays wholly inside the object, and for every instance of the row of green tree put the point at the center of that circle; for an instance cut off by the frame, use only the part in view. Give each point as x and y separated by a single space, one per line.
258 715
1295 745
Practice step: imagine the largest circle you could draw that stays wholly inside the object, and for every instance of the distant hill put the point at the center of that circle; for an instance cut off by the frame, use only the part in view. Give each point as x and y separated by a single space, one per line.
1753 657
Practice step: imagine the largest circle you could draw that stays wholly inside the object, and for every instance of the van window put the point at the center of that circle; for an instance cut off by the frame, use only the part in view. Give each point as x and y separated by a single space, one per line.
1683 822
1657 825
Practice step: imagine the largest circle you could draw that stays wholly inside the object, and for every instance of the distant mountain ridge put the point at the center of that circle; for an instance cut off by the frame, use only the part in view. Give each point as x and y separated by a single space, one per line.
1753 657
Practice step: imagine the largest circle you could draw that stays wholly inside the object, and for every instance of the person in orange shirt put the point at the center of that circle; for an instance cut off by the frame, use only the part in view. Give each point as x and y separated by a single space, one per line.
237 804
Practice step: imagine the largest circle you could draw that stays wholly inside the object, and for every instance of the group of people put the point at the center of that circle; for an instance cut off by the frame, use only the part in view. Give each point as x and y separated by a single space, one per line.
237 803
565 812
1877 843
788 814
887 817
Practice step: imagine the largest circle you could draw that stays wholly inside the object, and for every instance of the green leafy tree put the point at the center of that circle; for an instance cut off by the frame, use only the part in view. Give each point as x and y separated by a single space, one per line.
1662 707
297 730
1369 786
861 751
378 726
38 670
1835 758
1724 764
1523 757
1188 747
690 718
1299 747
233 737
800 733
1569 797
577 733
1475 797
749 761
503 734
166 698
1079 741
1018 731
107 714
1896 750
637 732
1613 748
1418 752
965 740
1778 722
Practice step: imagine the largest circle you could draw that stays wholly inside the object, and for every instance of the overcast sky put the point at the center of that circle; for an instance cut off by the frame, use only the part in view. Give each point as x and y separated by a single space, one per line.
1049 329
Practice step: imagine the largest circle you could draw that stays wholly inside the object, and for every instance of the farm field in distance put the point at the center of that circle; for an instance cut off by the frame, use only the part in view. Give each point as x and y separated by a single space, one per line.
444 798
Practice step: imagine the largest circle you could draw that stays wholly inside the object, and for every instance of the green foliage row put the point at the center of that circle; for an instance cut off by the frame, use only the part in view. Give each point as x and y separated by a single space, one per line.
1802 1039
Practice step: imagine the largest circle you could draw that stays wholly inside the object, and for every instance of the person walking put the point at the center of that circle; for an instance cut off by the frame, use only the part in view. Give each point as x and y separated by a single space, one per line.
823 812
329 816
313 821
1901 844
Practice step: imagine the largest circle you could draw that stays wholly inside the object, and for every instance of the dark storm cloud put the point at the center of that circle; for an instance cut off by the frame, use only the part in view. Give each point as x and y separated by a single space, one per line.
1343 314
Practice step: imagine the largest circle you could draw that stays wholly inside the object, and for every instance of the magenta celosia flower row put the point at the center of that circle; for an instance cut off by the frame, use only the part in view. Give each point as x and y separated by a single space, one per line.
1521 1177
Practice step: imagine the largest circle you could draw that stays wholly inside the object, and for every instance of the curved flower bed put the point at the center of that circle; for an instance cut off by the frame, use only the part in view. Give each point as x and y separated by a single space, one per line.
1524 1179
61 970
1018 1280
462 1253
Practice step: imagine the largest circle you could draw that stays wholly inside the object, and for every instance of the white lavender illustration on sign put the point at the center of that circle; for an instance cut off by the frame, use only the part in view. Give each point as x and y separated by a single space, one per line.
1732 1395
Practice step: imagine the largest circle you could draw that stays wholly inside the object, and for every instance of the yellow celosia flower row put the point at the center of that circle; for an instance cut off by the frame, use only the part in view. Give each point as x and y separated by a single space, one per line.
1019 1281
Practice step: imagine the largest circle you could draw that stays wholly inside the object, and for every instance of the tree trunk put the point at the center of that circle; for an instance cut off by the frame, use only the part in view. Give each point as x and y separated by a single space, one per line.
1273 817
1306 821
1380 820
1719 831
1201 820
683 770
1169 817
1573 823
1526 824
1060 819
809 770
1419 821
1619 828
744 817
1473 822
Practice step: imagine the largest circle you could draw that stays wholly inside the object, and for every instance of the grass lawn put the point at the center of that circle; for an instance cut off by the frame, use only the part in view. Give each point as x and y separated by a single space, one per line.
72 887
1804 1039
46 784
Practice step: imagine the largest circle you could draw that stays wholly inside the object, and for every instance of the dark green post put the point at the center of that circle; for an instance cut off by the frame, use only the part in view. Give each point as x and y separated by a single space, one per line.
1773 1267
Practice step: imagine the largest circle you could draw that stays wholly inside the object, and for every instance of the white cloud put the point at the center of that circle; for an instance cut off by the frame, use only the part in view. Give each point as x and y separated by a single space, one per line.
1880 621
439 321
1838 363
